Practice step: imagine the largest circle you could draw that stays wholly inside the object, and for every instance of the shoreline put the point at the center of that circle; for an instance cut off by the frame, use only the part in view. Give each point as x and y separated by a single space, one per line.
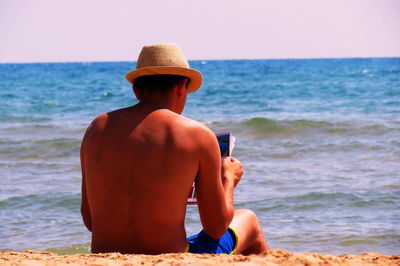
275 257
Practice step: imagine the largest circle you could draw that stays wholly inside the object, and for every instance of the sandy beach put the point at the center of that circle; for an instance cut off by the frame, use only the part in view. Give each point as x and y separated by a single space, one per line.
275 257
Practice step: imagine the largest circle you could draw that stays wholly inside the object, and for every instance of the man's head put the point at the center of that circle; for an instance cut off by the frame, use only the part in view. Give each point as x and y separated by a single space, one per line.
161 84
170 90
165 59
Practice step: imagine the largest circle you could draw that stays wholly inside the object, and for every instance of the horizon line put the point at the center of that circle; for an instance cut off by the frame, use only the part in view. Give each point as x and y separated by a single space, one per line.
201 60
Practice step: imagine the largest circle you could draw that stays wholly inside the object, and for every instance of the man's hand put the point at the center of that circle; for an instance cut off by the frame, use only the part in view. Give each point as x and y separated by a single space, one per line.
231 171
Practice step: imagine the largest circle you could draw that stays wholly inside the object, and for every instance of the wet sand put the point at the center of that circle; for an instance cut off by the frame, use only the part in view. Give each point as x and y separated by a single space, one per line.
275 257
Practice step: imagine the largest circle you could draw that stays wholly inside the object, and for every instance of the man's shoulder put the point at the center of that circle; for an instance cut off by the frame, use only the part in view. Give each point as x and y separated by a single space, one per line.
99 123
188 123
96 126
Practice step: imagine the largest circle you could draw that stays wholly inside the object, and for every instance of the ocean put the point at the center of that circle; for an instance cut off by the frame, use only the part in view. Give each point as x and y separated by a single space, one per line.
319 140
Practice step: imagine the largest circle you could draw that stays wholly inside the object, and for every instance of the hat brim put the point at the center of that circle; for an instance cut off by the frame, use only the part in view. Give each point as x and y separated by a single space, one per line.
192 74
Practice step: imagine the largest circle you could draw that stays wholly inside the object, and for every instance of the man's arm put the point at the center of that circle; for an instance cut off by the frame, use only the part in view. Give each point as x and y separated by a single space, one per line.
96 126
85 210
214 192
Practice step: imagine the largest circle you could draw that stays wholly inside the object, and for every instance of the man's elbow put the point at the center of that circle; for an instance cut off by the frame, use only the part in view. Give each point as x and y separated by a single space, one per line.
219 229
218 232
87 220
88 225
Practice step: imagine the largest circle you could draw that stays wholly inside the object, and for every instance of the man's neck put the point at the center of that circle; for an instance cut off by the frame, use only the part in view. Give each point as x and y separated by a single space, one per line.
159 101
151 106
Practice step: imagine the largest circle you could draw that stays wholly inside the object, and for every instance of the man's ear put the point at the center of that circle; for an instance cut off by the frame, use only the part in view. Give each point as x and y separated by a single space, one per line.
137 93
182 86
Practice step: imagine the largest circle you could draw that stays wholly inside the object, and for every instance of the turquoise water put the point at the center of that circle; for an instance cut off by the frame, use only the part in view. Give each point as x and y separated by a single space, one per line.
319 140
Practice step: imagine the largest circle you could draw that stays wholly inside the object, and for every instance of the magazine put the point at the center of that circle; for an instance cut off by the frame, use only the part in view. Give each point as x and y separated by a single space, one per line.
226 143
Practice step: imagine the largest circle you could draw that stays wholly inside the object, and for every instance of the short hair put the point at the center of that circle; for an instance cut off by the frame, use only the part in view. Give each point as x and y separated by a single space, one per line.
157 83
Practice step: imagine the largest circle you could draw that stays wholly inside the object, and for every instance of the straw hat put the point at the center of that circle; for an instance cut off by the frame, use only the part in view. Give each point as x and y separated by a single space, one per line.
165 59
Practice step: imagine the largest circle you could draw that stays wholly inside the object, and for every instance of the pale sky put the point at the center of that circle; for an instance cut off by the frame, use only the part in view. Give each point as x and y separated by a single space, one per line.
96 30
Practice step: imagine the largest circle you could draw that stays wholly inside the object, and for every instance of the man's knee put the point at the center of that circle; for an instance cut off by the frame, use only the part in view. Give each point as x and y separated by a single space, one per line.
250 220
253 236
247 215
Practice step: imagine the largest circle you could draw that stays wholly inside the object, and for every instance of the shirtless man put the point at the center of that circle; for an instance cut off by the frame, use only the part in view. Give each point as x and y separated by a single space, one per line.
139 163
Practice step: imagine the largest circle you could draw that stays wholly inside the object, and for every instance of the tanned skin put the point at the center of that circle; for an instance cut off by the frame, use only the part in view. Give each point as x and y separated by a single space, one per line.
138 166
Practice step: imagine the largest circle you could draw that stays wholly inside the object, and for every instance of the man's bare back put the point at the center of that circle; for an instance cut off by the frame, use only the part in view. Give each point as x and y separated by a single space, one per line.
143 163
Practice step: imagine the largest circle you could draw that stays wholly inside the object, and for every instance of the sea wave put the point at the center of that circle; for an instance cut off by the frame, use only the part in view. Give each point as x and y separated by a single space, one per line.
43 148
266 127
314 201
48 201
25 118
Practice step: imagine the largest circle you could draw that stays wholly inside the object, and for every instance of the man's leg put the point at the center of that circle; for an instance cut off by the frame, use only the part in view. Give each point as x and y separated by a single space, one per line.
251 236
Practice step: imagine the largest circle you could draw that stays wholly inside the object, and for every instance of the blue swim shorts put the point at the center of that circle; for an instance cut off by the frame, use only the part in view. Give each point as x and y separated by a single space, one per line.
203 243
